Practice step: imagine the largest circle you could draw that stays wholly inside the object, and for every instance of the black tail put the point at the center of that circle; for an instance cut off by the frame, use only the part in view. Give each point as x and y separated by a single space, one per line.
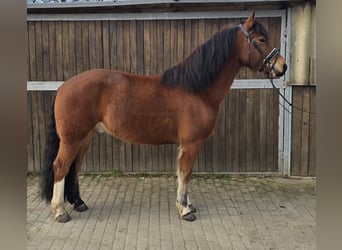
51 150
47 173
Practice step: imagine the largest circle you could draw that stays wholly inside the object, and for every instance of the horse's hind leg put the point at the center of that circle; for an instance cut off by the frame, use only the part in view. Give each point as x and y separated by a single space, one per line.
66 154
74 194
186 159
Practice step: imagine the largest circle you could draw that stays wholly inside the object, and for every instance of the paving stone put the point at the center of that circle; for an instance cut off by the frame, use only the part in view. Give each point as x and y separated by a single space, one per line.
140 213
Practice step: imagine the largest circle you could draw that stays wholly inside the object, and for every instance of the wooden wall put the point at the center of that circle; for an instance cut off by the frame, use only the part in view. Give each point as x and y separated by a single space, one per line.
246 137
303 137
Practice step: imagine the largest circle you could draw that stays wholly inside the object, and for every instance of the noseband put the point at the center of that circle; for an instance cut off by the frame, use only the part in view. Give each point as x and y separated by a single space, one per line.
267 58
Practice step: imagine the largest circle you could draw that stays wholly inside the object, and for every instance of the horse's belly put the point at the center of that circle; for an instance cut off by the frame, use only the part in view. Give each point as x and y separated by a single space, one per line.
154 135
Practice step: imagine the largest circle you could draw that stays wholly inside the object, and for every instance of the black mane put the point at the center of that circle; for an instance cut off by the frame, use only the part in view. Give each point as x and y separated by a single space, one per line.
199 70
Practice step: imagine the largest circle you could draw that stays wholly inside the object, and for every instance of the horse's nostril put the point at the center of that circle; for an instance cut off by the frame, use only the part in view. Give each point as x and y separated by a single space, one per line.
285 67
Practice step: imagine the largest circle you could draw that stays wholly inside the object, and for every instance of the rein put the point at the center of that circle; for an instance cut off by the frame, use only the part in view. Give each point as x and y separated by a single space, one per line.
267 63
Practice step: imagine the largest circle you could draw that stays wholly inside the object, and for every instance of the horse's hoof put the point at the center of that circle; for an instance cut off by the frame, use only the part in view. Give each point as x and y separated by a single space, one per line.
193 209
189 217
81 208
63 218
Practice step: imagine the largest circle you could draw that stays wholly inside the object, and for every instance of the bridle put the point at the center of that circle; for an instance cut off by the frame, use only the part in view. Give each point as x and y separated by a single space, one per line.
266 64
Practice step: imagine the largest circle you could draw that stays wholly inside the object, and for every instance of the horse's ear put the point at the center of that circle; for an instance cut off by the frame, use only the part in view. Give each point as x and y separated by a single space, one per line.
250 21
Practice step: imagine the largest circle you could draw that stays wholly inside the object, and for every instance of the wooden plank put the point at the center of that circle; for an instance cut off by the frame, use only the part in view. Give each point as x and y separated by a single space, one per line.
147 47
98 45
269 130
160 47
41 126
116 154
263 130
78 47
126 46
103 152
174 43
52 51
89 159
180 41
275 131
128 159
28 52
243 130
250 123
30 142
96 153
45 51
222 24
133 46
194 35
85 46
154 45
92 45
140 47
72 49
119 46
234 121
59 51
305 133
65 51
106 44
113 45
312 139
137 163
296 132
39 52
187 39
32 51
35 131
201 32
256 131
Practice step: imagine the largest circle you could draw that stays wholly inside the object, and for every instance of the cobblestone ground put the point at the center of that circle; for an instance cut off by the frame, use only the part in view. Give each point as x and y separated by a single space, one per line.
140 213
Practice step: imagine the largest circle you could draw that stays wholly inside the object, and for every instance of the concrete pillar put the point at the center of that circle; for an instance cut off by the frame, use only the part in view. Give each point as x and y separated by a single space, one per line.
303 44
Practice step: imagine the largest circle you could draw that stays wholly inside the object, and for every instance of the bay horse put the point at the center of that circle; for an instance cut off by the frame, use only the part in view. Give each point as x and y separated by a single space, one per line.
179 106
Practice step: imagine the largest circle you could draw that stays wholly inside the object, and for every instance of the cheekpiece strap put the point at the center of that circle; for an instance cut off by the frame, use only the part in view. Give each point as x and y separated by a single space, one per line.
245 32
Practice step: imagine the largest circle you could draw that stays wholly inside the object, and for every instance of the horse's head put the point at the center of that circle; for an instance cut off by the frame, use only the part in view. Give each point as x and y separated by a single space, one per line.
256 52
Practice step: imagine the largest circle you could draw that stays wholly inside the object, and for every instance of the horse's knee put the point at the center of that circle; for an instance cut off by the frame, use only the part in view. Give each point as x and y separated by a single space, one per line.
60 170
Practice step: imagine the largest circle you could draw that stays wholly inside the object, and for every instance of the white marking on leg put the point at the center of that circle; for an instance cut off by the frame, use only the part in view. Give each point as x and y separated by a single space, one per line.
182 191
189 202
57 202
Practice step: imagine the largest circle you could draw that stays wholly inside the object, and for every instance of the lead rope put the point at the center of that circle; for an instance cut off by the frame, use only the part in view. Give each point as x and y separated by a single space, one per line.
291 105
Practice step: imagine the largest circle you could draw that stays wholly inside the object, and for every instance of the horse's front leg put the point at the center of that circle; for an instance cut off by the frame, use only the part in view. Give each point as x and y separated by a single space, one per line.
186 159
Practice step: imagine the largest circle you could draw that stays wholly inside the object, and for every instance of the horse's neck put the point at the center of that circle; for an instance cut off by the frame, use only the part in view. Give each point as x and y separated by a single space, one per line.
220 87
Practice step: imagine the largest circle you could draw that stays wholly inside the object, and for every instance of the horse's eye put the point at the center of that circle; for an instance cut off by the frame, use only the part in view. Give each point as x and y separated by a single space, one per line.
262 39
